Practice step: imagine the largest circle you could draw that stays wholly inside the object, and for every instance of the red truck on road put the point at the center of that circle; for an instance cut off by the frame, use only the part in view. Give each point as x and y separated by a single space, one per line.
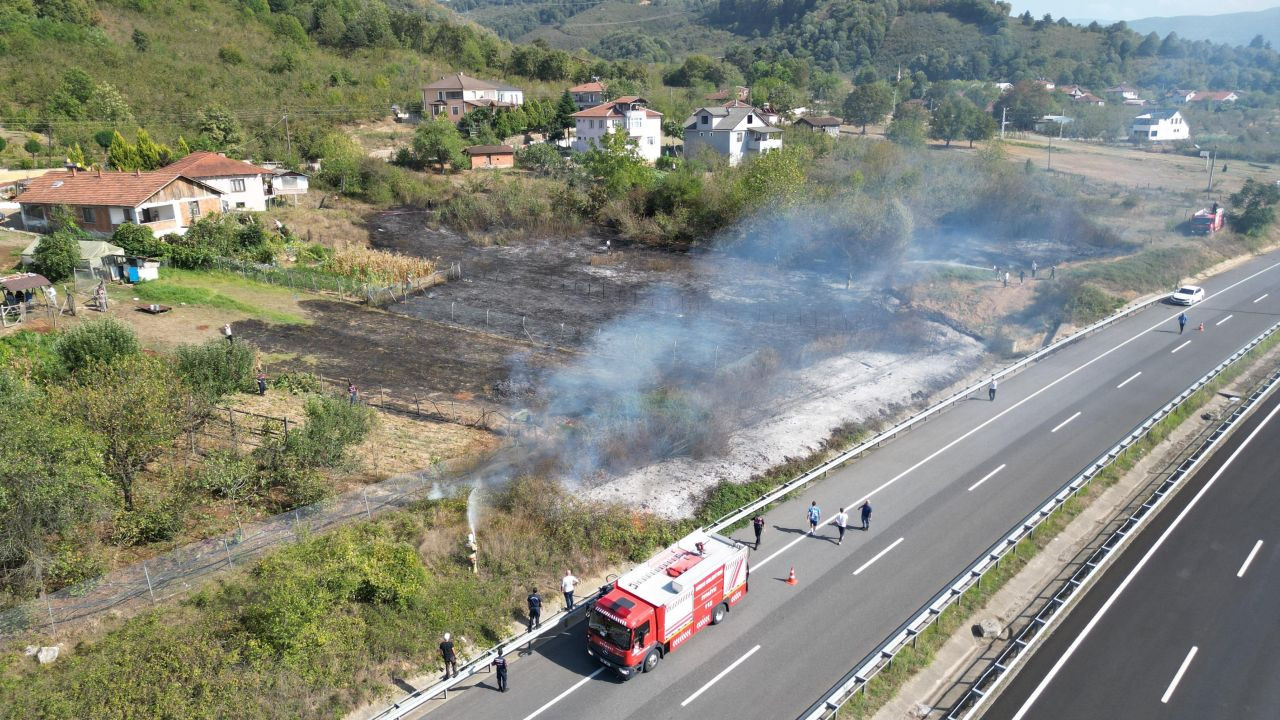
656 607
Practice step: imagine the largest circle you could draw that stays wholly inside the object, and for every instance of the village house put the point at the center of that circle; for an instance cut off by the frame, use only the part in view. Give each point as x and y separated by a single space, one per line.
163 200
590 94
1214 96
491 156
243 186
735 132
764 112
1126 94
458 94
737 92
1088 99
1160 126
643 126
824 124
286 185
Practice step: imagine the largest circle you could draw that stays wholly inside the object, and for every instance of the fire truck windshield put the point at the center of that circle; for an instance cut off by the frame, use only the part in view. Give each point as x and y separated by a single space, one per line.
612 630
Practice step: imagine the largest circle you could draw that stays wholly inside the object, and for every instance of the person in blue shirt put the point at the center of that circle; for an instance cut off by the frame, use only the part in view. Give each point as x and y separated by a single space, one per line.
866 515
814 516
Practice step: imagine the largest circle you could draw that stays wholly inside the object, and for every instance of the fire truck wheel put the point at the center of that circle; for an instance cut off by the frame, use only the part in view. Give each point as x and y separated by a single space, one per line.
717 615
651 660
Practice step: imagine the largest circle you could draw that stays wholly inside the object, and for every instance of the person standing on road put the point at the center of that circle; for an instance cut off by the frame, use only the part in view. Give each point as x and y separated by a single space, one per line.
449 656
500 666
814 516
841 520
757 522
866 515
567 584
991 390
1182 322
535 608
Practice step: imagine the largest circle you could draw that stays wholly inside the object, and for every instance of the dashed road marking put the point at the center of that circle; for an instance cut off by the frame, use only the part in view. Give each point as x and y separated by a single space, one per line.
1064 422
879 555
986 478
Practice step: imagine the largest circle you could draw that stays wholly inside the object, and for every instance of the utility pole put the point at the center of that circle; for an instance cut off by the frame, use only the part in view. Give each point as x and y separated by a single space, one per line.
1049 163
1004 113
288 141
1213 165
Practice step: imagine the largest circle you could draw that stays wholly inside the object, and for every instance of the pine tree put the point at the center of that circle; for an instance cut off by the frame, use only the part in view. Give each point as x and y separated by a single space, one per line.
122 155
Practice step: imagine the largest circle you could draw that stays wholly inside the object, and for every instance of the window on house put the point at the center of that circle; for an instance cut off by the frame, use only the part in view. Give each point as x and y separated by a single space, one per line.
705 119
150 215
750 119
88 215
193 208
653 140
239 206
237 186
454 109
737 137
35 212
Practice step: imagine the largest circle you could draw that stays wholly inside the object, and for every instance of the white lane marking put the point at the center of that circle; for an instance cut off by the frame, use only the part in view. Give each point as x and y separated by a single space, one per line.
1064 422
1257 546
988 477
1131 378
1093 622
716 679
1179 347
879 555
1264 297
1223 320
1178 676
564 694
999 415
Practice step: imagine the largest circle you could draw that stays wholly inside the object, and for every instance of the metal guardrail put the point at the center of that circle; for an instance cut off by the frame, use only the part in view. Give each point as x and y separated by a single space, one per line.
905 634
982 690
794 484
414 700
440 690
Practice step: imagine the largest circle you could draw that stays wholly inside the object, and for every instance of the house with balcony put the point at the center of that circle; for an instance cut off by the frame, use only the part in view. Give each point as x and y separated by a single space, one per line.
243 186
458 94
642 125
1160 126
589 95
736 132
163 200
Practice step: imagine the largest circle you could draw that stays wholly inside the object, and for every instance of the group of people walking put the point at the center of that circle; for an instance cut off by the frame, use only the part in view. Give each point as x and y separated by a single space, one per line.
814 515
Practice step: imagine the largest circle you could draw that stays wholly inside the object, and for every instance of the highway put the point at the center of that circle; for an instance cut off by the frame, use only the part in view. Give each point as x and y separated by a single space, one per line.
1183 626
942 494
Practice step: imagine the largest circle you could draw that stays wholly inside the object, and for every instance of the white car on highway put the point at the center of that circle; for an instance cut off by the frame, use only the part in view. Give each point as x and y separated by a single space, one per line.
1187 295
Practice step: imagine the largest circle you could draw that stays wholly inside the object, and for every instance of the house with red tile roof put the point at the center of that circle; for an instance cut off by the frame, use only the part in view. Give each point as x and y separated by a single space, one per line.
458 94
163 200
243 186
590 94
642 125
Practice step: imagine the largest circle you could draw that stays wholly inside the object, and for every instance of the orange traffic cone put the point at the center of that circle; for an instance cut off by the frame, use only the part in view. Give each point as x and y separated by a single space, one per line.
791 577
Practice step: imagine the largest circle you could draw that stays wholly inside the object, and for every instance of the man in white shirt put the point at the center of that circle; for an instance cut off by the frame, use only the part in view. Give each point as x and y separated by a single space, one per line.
567 584
841 520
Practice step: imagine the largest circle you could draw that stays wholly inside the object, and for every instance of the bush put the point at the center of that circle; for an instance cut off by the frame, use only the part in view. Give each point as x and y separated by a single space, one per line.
227 474
217 367
154 523
333 424
102 341
298 383
138 240
56 255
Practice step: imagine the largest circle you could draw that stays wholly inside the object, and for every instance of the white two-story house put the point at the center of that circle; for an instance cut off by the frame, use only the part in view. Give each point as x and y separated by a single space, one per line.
736 132
1160 126
243 186
643 126
458 94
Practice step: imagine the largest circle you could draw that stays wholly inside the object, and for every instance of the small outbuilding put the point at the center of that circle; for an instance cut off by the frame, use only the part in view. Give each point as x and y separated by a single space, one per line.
94 254
491 156
823 124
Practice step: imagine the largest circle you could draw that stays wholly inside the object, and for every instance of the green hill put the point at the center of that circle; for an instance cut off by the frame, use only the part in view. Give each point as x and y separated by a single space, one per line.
1230 28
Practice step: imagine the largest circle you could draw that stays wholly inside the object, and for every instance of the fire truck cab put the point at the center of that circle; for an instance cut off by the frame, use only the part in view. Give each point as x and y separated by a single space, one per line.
659 605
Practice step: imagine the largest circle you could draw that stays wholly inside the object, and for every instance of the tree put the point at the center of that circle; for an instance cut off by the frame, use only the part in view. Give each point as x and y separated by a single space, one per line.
1254 207
1172 47
439 143
32 146
1150 45
614 162
908 125
109 105
3 144
868 104
122 154
565 108
137 405
216 367
981 126
1026 103
101 341
57 254
137 240
219 127
140 40
950 119
75 156
151 155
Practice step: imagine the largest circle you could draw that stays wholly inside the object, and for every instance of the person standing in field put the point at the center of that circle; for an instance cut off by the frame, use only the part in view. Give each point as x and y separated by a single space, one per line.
449 657
757 522
567 584
814 516
351 392
262 383
841 519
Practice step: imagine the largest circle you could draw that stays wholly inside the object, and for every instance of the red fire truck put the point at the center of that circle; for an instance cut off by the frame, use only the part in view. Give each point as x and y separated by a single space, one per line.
1207 222
656 607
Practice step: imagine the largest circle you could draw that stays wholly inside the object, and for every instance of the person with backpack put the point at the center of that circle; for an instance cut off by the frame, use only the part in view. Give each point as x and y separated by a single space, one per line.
814 516
535 608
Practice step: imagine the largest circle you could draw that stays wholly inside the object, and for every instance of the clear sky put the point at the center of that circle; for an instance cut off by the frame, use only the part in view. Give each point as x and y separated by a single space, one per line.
1134 9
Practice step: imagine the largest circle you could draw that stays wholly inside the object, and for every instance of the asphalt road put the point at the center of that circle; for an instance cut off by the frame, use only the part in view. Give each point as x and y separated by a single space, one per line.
947 490
1184 625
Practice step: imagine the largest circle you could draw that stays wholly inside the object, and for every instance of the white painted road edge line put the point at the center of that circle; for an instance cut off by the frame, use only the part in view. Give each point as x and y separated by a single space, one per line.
1173 684
1223 320
1264 297
564 694
1257 546
986 478
1064 422
879 555
1131 379
1179 347
1010 409
1124 584
716 679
